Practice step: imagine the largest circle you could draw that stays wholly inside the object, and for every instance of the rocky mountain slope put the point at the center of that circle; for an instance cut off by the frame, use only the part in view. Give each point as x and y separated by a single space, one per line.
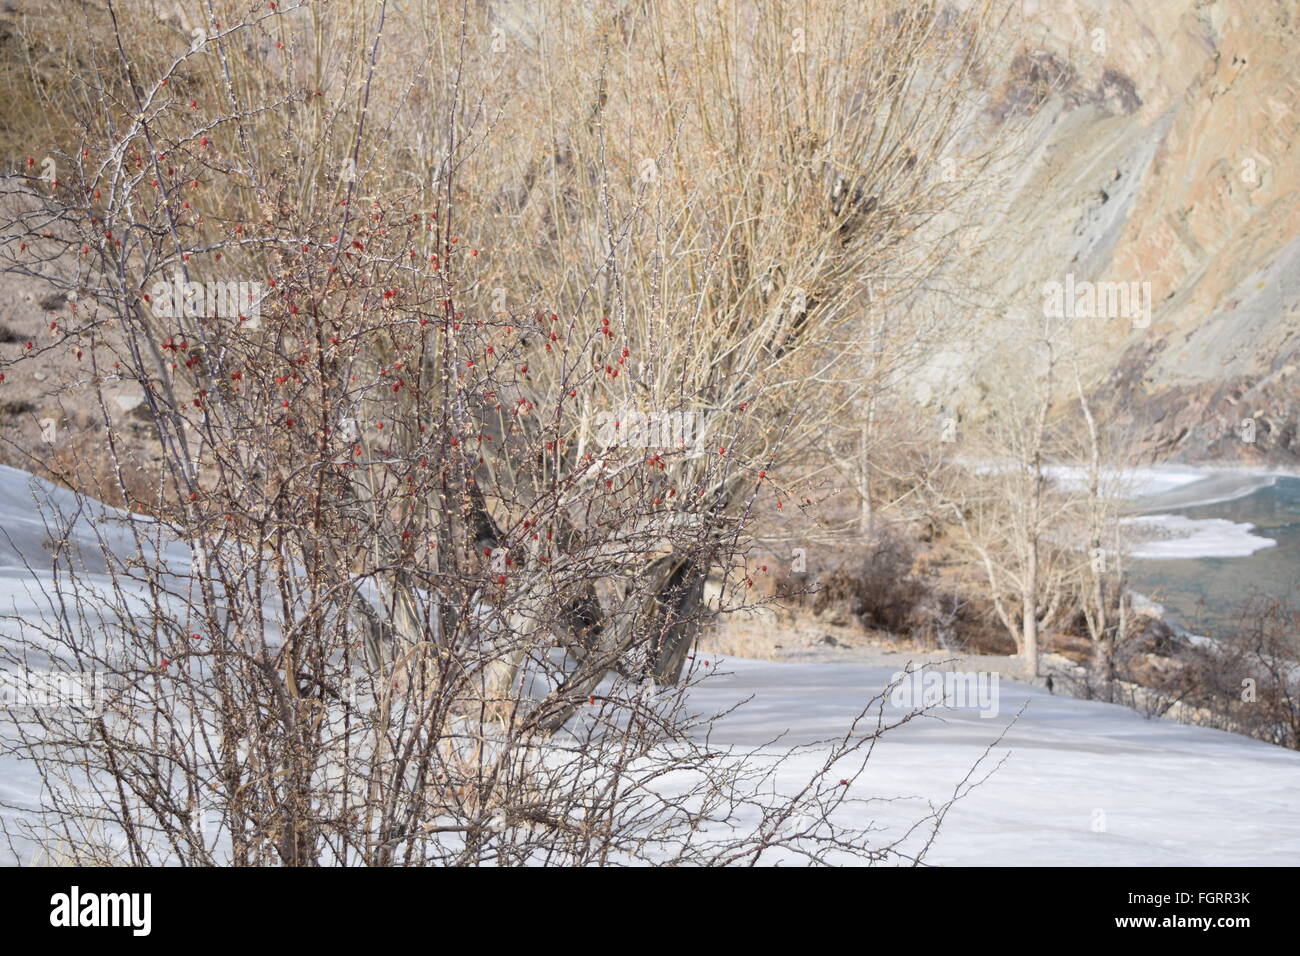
1161 152
1164 153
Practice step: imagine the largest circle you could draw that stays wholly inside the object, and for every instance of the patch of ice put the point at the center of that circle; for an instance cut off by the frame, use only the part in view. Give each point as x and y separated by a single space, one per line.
1184 537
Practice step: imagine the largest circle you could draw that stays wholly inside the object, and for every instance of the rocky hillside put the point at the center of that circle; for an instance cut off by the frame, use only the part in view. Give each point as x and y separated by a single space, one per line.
1161 152
1164 151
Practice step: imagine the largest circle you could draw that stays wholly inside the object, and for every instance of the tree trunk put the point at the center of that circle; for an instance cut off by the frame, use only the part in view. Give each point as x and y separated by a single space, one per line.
680 601
672 608
866 518
1030 629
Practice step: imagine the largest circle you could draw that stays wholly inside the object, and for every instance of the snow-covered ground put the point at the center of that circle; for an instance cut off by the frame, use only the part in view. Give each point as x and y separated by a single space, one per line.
1082 783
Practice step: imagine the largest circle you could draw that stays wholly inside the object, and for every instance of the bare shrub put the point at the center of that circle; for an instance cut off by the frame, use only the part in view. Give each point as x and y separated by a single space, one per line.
1246 680
427 561
869 582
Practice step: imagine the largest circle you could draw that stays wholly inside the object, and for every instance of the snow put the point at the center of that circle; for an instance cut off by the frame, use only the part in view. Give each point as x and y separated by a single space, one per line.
1130 482
1156 481
1083 783
1080 782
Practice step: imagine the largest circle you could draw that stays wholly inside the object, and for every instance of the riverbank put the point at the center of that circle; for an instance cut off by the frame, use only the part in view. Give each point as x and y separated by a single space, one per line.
1239 539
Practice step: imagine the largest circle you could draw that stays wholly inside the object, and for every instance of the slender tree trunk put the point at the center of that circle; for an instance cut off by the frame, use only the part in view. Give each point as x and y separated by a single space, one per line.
1030 630
1099 630
1035 523
866 516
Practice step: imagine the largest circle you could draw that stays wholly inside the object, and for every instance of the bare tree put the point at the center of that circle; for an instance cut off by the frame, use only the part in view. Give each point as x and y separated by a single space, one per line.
999 498
454 411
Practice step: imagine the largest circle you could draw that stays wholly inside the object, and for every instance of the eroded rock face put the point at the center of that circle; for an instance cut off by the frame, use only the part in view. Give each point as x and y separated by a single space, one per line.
1163 152
1155 143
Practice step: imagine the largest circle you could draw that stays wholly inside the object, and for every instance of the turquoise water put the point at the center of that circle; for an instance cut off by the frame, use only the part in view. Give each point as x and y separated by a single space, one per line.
1202 594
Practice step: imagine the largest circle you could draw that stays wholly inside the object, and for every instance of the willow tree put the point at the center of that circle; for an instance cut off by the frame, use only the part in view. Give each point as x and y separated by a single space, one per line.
689 211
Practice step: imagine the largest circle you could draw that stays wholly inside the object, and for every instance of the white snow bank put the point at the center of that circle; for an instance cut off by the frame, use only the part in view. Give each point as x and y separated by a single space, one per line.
1084 784
1182 486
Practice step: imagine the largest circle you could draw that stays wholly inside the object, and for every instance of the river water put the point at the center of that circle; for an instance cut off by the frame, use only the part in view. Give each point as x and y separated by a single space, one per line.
1233 560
